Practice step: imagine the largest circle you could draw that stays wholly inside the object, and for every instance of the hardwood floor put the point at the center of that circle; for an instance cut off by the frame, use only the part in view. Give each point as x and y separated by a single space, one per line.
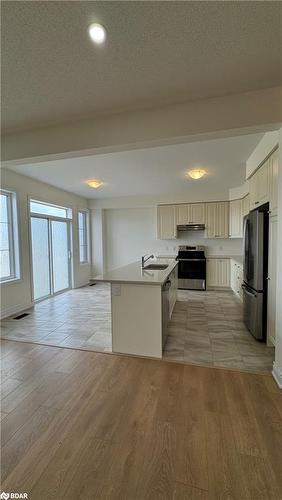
85 425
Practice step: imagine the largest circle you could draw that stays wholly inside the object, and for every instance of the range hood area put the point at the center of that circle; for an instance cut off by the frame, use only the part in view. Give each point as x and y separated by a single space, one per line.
190 227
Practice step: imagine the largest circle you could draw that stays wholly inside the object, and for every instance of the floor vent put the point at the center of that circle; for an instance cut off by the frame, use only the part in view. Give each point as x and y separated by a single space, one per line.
20 316
92 284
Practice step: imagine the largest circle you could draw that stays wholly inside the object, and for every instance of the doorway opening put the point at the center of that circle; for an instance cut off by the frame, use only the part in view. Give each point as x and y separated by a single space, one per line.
50 228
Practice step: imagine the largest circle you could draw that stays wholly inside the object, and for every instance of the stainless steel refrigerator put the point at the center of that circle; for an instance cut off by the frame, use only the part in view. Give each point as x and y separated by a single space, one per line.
255 271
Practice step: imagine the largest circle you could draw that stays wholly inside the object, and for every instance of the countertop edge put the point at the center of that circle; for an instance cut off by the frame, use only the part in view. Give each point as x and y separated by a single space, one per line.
101 279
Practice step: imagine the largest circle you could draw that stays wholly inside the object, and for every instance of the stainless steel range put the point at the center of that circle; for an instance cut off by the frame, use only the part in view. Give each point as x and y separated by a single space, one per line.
191 267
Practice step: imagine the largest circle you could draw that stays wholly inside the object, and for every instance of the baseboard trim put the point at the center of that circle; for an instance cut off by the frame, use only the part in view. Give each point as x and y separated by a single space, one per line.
10 311
277 375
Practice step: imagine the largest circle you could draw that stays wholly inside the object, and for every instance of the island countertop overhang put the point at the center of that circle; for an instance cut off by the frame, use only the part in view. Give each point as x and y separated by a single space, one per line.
134 274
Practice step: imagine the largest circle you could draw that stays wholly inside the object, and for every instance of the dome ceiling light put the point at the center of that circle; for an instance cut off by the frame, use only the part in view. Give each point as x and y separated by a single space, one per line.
94 183
196 173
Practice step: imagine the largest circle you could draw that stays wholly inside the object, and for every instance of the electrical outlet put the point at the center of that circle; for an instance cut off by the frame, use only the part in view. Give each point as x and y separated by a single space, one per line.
116 290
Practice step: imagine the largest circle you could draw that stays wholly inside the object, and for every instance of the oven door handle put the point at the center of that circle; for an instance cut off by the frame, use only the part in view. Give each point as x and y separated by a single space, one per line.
191 260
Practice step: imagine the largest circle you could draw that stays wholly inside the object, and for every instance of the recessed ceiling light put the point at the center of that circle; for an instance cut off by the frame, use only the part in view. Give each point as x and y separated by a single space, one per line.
196 173
94 183
97 33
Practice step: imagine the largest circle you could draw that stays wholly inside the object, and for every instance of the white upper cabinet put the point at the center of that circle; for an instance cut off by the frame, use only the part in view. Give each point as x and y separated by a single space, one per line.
259 186
166 222
190 213
197 213
273 183
182 213
236 219
217 220
245 205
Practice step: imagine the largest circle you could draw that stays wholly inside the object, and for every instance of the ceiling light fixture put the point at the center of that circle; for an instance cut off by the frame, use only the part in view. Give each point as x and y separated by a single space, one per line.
94 183
196 173
97 33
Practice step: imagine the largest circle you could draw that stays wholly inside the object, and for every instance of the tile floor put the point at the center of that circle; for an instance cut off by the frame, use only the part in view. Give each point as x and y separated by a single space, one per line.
207 329
79 318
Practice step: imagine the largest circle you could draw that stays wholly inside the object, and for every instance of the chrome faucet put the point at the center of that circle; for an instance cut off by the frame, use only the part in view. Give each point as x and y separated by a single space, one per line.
145 258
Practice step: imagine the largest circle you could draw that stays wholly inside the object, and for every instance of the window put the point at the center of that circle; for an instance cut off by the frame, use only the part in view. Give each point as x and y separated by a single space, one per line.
83 237
38 207
9 253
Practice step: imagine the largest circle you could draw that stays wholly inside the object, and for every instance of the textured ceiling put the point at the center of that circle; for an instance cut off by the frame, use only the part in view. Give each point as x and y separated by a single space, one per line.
153 171
156 53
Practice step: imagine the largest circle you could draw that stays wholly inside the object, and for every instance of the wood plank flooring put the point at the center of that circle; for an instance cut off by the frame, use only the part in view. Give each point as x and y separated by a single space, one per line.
85 425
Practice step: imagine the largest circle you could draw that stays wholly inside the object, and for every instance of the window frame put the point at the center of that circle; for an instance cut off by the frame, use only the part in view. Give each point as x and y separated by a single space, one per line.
85 243
13 237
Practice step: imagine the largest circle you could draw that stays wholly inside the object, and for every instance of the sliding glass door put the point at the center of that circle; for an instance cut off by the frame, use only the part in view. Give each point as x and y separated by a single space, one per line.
40 258
50 240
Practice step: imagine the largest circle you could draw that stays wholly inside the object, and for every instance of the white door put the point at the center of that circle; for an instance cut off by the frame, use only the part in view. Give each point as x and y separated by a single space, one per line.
272 271
50 242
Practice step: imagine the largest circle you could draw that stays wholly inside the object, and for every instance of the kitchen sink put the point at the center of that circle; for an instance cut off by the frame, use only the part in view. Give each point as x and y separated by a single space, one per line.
156 267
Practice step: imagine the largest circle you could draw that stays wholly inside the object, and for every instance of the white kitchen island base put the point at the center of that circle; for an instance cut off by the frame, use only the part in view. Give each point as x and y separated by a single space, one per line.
138 325
137 319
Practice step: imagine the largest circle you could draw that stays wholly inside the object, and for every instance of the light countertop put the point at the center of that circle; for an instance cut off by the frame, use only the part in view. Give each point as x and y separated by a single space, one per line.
132 273
237 258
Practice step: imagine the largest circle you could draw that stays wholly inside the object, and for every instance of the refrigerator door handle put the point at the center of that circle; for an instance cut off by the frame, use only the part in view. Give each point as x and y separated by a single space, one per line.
251 294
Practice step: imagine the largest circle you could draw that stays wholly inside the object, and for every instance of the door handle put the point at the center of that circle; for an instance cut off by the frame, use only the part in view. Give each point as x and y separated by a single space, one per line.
248 293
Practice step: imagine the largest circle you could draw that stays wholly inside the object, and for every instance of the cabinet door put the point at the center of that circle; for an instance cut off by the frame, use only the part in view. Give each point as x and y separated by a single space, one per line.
235 219
254 194
182 213
210 216
197 213
233 275
211 273
272 271
273 182
222 220
246 205
223 272
263 183
166 223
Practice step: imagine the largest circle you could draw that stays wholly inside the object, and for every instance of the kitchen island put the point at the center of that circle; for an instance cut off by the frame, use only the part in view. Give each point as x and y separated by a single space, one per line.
142 302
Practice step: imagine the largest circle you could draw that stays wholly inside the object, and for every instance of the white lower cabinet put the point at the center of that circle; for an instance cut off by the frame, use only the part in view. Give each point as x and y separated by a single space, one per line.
272 271
236 277
218 272
172 291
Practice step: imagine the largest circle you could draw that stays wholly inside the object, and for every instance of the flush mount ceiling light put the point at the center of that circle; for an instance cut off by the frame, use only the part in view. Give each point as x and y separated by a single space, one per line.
196 173
94 183
97 33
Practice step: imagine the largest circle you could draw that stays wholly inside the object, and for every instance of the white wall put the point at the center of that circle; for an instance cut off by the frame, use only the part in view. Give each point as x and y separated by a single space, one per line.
277 369
17 296
130 233
263 149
